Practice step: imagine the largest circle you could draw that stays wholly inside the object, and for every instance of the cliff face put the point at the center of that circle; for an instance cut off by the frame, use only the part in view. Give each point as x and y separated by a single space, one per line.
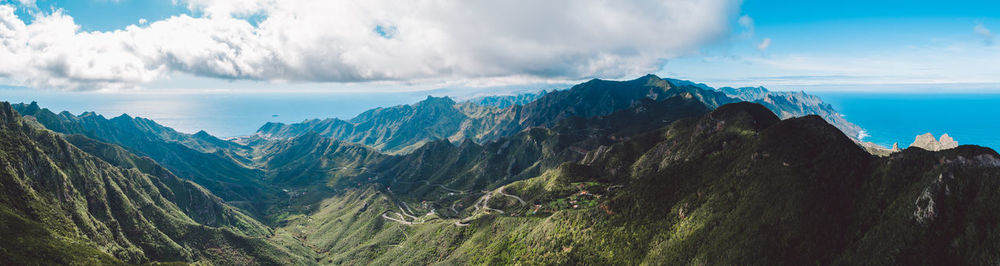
927 142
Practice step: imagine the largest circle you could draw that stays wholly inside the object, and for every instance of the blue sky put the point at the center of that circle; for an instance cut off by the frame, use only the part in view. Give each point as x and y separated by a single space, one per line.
209 44
905 46
771 13
108 15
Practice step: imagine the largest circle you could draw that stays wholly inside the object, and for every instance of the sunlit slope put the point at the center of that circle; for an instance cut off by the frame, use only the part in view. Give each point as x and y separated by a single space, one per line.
63 205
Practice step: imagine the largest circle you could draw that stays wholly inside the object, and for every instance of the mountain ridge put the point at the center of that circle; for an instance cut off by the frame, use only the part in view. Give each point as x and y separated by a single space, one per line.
215 164
646 171
791 104
486 122
72 199
736 185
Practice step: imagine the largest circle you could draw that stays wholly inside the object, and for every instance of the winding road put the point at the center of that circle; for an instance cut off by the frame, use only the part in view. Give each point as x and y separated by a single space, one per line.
482 204
512 196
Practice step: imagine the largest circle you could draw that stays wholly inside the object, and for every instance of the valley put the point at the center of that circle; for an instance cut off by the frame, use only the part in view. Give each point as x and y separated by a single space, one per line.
643 171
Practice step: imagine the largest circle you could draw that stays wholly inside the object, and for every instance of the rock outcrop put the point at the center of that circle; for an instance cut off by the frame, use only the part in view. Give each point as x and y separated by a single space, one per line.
927 142
878 150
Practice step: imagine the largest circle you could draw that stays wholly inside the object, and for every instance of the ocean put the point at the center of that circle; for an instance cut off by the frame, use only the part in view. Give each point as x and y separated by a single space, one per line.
900 117
222 115
885 117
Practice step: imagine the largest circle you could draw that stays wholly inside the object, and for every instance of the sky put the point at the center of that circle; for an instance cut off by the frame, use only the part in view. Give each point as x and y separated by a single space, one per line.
236 46
857 46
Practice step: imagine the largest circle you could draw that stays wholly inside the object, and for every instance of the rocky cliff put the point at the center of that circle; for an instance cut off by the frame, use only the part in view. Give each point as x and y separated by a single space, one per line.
927 142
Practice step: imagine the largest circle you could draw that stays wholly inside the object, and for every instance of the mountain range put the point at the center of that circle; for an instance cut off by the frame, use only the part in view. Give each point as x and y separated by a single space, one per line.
75 200
213 163
406 127
645 171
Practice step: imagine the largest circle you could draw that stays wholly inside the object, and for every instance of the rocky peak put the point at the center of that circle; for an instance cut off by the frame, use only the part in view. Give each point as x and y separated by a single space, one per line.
124 117
745 93
202 134
7 114
33 107
947 141
749 115
436 101
928 142
649 80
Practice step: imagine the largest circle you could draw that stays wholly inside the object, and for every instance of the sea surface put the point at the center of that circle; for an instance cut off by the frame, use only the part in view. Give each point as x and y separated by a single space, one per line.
222 115
900 117
886 118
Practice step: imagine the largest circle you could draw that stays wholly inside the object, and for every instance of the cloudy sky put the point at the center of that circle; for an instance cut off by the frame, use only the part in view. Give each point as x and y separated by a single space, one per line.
274 45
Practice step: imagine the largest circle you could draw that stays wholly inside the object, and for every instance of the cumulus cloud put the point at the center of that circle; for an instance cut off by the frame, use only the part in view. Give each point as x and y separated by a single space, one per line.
764 44
983 32
357 41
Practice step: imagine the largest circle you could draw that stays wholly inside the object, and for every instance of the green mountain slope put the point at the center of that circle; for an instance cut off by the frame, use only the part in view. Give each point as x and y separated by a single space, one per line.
312 163
648 171
196 202
404 128
215 164
735 186
62 204
794 104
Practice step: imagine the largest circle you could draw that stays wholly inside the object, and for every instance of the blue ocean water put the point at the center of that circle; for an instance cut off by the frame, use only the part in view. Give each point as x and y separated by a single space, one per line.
900 117
222 115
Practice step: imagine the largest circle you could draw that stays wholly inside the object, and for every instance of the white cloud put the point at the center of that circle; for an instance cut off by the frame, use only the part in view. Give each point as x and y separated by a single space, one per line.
142 21
52 52
337 41
983 32
746 22
764 44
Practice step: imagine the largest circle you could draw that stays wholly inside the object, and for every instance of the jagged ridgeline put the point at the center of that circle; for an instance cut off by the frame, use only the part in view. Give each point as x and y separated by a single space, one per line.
733 186
244 176
61 204
404 128
215 164
652 170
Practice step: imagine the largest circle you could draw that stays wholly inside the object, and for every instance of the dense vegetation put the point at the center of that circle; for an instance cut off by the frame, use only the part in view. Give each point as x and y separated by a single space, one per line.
406 127
64 205
210 162
736 186
648 171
